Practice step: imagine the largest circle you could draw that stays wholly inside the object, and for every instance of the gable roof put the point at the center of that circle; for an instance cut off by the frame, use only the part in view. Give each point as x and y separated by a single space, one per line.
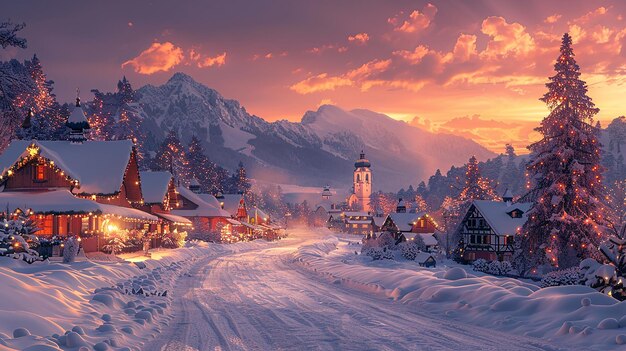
496 213
231 203
404 221
154 186
98 166
204 209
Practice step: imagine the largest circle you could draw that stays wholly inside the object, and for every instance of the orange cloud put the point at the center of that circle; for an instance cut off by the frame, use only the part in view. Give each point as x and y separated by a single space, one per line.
320 82
216 61
158 57
506 38
417 20
360 38
552 19
465 47
357 76
414 56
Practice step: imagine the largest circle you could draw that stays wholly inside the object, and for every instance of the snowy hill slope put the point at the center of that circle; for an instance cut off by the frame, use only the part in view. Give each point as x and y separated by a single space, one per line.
318 150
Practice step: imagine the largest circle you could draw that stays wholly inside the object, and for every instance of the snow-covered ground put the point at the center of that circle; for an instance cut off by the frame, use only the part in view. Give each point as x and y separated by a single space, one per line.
95 304
309 291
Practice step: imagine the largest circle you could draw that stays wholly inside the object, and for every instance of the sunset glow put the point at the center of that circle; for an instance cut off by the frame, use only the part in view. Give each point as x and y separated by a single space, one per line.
468 69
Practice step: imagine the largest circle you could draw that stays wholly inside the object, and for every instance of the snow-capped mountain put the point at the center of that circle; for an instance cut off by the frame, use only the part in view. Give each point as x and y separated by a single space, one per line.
318 150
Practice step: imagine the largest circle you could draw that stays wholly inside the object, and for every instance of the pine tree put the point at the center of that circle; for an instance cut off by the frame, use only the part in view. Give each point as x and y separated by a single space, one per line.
566 223
171 157
242 183
201 168
476 187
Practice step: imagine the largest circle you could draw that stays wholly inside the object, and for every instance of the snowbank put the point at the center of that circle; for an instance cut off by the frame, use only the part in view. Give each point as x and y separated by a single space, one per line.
573 315
103 305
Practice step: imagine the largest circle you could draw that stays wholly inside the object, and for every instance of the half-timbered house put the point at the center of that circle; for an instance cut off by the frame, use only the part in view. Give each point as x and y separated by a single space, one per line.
488 229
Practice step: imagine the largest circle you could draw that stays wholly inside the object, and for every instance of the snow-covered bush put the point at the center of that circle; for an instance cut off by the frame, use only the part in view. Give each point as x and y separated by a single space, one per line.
569 276
208 236
608 278
18 234
493 267
388 254
419 242
376 253
386 240
114 245
480 265
409 250
70 249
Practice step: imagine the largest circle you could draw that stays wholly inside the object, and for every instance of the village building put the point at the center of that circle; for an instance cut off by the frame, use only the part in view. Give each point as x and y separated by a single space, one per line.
203 211
488 228
324 209
75 187
406 226
359 223
160 198
359 200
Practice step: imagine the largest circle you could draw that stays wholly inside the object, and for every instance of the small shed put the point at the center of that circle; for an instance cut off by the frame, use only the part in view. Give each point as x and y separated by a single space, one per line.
424 259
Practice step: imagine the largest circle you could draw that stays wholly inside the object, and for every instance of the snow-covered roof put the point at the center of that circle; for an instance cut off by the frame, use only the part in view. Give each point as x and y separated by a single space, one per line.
204 209
422 257
63 202
231 203
77 116
154 186
174 218
99 166
210 199
194 182
260 213
404 221
496 213
508 194
429 239
379 221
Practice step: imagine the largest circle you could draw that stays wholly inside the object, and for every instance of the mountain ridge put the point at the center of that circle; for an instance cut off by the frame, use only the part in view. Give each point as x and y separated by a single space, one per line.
317 150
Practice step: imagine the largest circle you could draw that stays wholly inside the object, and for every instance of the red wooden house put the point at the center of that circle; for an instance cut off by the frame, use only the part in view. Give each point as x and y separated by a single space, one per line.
160 197
74 188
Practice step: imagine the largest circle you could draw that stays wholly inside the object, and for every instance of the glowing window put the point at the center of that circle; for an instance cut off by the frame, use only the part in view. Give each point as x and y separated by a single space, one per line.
40 173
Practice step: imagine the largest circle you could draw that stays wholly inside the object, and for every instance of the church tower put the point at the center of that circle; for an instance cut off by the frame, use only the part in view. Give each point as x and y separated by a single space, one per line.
363 182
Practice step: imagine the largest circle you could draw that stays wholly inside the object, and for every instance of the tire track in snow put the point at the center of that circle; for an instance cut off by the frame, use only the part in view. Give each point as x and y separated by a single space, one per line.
257 300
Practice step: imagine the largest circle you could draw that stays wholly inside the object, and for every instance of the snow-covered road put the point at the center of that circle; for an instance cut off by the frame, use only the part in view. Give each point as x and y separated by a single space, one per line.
259 300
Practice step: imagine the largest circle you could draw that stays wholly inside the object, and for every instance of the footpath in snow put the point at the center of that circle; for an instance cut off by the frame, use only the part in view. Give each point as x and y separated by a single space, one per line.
577 316
95 305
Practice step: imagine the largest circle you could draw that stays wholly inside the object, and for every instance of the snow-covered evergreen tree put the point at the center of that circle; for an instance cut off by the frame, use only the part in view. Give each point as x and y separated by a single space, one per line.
476 187
210 175
70 249
566 223
114 245
171 157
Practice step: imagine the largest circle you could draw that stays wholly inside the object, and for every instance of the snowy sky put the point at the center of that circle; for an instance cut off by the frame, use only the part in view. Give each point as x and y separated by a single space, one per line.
474 68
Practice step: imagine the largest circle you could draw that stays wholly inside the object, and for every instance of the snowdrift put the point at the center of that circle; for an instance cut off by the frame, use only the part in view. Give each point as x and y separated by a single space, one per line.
101 305
571 315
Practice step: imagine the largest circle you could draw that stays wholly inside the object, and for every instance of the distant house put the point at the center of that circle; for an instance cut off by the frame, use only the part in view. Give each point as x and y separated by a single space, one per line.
425 259
160 197
406 226
324 209
488 228
204 212
360 223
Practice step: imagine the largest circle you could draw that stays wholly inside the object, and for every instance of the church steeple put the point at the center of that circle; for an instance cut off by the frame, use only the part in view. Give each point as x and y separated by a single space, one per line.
362 182
77 122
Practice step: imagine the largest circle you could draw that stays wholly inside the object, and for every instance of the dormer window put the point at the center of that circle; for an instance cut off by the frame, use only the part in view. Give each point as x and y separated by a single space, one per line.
517 213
